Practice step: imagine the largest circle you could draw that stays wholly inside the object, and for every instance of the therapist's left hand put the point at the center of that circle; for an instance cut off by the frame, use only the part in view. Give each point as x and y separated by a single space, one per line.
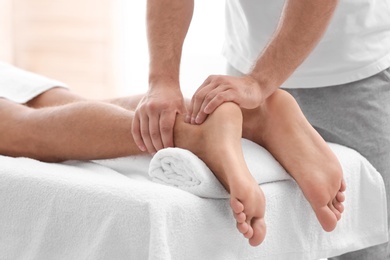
217 89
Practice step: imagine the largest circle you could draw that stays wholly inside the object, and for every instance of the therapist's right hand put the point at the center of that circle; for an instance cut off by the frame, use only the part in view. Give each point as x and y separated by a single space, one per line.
155 117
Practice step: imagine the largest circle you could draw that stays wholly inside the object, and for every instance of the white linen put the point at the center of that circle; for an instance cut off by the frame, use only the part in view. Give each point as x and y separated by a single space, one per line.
181 168
21 86
84 210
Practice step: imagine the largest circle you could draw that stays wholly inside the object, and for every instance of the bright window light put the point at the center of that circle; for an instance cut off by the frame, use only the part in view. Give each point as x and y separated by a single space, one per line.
201 53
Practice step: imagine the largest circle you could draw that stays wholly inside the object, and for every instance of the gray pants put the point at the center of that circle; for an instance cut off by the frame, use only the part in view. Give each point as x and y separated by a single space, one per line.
356 115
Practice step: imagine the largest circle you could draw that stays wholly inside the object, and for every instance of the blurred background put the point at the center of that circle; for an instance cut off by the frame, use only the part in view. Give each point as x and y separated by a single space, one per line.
99 47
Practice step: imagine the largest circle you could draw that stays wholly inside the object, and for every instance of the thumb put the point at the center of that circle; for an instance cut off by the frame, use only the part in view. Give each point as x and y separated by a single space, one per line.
182 109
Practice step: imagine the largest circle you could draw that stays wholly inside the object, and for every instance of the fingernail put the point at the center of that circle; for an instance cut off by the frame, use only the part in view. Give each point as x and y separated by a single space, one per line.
192 120
197 120
188 118
142 148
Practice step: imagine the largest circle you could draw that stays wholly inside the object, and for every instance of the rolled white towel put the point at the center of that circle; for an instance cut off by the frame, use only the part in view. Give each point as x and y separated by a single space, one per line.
182 169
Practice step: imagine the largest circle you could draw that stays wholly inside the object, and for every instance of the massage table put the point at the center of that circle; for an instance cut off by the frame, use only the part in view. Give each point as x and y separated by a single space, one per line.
114 209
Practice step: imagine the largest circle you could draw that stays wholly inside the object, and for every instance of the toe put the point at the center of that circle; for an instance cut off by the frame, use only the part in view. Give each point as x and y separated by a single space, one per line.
326 217
335 211
249 234
236 205
340 197
343 186
338 206
240 217
243 228
259 230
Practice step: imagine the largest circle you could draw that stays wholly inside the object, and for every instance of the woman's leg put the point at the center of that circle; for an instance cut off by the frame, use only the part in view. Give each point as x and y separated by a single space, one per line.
74 128
356 115
60 125
54 97
61 96
80 130
280 127
218 143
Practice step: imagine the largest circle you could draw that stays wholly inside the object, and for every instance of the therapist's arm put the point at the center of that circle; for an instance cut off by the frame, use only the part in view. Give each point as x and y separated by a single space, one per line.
167 23
301 26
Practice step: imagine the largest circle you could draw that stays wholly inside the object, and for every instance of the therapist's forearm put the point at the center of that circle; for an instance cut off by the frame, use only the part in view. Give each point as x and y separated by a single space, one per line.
301 26
167 25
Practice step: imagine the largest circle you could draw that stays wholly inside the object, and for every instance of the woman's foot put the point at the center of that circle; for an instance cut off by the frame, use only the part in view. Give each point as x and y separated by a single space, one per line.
218 143
280 127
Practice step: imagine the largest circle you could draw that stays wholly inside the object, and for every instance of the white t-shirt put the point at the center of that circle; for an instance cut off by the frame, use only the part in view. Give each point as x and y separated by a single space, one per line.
21 86
356 44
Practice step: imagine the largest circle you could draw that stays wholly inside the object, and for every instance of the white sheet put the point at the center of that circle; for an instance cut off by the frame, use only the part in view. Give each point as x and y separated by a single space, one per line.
83 210
21 86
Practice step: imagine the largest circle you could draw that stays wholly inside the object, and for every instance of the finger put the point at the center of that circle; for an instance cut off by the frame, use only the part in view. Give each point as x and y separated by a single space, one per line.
198 100
144 126
190 109
167 122
154 132
136 132
205 83
201 116
186 112
196 97
188 115
220 98
187 118
196 103
183 109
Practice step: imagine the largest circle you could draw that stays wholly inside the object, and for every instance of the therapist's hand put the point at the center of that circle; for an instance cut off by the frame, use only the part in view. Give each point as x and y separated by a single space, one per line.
244 91
155 117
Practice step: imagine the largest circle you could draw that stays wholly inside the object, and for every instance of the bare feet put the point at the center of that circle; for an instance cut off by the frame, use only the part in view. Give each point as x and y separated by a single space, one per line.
280 127
218 143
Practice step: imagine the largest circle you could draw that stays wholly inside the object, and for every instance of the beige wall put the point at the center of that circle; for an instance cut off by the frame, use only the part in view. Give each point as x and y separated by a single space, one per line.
6 38
69 40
